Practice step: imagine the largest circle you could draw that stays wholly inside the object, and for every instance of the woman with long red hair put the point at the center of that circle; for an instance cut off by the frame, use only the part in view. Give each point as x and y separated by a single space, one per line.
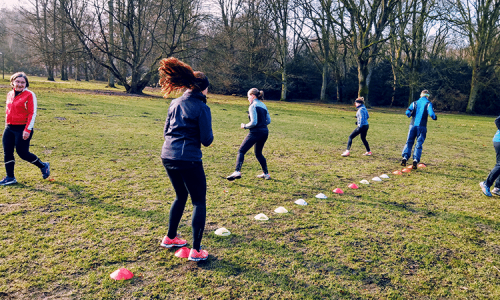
188 126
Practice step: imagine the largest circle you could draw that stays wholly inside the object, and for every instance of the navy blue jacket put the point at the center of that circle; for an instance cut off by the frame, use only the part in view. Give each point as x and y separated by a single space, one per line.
420 110
188 125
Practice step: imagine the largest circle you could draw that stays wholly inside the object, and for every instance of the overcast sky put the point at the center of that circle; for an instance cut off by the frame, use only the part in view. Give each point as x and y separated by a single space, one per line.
11 3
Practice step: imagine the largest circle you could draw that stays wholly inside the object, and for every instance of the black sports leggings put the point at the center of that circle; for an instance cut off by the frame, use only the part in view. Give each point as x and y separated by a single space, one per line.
188 181
361 131
253 138
13 139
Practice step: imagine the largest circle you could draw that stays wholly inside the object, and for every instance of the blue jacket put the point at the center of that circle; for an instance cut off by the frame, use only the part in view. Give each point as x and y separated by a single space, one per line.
362 115
496 138
420 110
259 116
188 125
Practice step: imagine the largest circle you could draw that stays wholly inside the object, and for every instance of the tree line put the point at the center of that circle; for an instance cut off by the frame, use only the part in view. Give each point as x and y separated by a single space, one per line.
328 50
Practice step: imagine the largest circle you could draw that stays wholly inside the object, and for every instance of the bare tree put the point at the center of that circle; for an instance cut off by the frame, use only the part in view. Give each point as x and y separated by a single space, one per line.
479 23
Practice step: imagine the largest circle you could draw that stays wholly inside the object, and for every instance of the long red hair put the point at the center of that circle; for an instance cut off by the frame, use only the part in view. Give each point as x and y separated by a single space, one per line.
176 75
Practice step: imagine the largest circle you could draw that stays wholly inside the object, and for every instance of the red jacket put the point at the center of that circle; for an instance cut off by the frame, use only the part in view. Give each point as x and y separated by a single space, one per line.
21 109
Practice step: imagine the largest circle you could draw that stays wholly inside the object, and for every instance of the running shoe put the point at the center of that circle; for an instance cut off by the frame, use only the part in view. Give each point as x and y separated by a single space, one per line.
175 242
265 176
369 153
8 181
198 255
346 153
486 190
414 166
496 191
403 162
235 175
45 170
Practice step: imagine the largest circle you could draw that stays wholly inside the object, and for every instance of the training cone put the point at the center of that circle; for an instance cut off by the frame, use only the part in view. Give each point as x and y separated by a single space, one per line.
385 176
121 274
222 232
421 165
321 196
406 170
338 191
364 181
261 217
397 172
183 252
376 179
280 210
353 186
300 202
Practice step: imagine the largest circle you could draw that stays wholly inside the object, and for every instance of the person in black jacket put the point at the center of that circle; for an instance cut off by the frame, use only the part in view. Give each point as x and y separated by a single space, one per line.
188 126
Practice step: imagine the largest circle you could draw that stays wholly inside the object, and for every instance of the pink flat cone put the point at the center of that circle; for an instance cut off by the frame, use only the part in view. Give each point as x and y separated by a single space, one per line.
183 252
397 172
121 274
353 186
421 166
406 170
338 191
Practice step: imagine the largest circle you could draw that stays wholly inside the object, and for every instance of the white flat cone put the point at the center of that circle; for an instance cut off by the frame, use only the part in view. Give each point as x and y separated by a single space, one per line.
300 202
364 181
261 217
376 179
321 196
222 232
280 210
385 176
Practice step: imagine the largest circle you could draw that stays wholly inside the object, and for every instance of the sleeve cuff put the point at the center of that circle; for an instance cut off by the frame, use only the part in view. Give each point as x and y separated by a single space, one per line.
27 131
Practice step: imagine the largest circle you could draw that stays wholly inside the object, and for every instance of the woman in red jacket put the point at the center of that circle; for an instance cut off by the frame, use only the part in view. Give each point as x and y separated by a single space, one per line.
19 120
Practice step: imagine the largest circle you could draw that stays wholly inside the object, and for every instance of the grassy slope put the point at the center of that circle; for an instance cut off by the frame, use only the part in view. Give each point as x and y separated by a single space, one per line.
429 234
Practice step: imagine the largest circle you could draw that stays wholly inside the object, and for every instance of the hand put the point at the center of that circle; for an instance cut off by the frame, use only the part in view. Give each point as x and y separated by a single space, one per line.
242 126
25 135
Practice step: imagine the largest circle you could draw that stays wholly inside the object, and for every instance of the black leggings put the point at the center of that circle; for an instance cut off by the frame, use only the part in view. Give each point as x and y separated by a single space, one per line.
188 181
361 131
253 138
13 139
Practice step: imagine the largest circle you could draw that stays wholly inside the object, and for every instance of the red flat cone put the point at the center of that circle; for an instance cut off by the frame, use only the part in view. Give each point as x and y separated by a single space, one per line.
183 252
397 172
338 191
121 274
353 186
421 166
406 170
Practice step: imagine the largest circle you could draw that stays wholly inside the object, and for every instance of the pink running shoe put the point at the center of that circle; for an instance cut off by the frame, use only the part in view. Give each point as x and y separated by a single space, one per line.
198 255
175 242
346 153
369 153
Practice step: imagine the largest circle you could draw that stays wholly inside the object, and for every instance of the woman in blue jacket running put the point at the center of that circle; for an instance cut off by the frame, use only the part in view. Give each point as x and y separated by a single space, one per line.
362 129
188 126
494 176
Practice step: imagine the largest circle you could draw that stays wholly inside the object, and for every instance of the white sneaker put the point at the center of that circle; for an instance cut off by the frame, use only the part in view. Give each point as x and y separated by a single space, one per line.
235 175
369 153
265 176
496 191
346 153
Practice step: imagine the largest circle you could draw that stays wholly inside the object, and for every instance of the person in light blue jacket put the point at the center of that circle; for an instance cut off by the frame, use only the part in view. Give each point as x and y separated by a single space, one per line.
494 176
259 119
362 129
419 111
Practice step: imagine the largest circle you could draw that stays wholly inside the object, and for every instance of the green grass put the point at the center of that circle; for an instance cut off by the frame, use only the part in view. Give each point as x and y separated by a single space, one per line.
427 235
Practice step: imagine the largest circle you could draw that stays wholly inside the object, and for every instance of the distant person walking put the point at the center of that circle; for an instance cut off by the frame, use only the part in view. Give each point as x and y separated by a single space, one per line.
257 137
494 176
362 129
419 111
187 127
20 117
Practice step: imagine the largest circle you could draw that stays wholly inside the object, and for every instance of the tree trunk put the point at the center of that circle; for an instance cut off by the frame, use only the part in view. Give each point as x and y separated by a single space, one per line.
363 79
474 91
283 84
324 82
111 78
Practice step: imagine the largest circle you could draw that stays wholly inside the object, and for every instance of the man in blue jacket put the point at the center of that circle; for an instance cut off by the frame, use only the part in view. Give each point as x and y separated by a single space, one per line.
418 111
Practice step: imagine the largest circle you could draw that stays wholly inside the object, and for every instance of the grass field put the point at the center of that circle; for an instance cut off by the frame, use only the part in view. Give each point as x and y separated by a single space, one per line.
430 234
